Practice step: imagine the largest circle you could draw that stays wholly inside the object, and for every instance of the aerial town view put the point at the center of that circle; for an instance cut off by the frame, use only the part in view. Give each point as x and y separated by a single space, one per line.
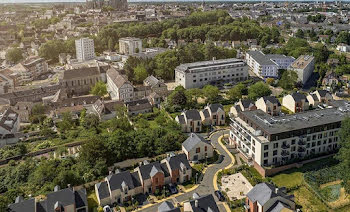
174 106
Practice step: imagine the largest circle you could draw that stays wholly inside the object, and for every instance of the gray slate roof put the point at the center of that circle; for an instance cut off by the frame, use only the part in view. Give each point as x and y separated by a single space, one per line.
192 141
116 180
205 203
26 205
298 97
271 99
260 58
167 206
193 114
215 107
262 193
147 169
103 190
176 161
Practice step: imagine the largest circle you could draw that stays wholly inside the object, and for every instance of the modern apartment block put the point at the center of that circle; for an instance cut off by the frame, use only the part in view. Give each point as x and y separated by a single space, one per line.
267 65
130 46
269 140
85 49
199 74
303 66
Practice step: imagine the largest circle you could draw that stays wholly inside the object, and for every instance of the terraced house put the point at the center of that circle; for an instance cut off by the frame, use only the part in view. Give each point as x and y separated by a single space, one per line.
147 178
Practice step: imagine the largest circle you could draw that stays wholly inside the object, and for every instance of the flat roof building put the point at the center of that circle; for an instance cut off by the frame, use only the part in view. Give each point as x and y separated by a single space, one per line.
199 74
304 66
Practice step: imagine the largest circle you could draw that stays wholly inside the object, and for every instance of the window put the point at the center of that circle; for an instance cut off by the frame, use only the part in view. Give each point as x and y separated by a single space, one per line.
265 162
275 145
293 141
274 152
266 154
266 147
198 150
205 149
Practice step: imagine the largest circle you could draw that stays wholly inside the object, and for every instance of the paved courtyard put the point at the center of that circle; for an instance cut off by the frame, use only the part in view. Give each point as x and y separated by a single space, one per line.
236 186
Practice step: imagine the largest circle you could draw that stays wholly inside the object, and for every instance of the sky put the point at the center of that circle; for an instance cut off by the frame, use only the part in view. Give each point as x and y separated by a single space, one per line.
39 1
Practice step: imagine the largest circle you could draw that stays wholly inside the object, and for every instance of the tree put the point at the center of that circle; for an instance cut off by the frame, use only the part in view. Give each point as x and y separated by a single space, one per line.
91 121
99 89
258 90
14 55
344 152
299 33
140 73
142 123
270 81
178 97
235 93
67 122
288 80
211 93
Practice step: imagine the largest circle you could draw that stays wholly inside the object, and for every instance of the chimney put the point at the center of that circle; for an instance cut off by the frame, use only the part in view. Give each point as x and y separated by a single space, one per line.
276 190
196 203
57 188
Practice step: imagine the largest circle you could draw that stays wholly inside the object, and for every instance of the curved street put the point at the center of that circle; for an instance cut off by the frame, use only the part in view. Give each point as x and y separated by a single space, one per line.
206 185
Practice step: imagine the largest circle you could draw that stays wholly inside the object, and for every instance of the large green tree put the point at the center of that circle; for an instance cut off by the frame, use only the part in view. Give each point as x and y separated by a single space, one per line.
344 153
257 90
99 89
14 55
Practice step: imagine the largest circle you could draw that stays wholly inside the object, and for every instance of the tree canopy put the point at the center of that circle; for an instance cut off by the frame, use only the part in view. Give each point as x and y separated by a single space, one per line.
14 55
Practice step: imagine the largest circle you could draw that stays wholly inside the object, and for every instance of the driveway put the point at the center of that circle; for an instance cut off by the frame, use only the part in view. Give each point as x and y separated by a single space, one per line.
206 186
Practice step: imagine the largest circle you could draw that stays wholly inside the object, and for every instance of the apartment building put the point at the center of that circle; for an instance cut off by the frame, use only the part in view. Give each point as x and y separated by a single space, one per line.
130 45
269 140
267 66
29 70
199 74
118 86
304 66
85 49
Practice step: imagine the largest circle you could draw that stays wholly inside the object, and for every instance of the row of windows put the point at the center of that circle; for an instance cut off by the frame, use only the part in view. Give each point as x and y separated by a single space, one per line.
214 78
214 73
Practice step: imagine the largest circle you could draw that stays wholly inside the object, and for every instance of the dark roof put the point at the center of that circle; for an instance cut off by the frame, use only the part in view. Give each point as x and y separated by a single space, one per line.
206 113
26 205
263 192
167 206
192 114
192 141
175 162
147 169
64 197
298 97
118 79
322 93
80 72
205 203
116 180
271 99
181 119
80 198
102 190
247 103
216 107
261 58
136 179
138 105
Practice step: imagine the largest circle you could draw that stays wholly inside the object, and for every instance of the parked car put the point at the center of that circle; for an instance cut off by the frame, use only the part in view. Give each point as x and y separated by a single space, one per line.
219 195
107 209
172 188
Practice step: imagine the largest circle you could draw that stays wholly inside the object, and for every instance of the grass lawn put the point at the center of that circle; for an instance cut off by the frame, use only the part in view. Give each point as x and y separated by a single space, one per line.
289 181
308 200
92 200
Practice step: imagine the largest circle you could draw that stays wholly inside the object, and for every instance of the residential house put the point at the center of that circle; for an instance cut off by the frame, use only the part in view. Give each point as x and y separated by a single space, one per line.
201 203
267 197
153 176
190 121
213 114
157 86
105 110
269 104
31 69
139 106
323 96
9 126
119 87
330 79
179 168
313 100
296 102
242 105
197 148
68 199
168 206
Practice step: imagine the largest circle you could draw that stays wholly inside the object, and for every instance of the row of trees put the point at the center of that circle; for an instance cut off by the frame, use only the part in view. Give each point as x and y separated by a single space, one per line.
53 48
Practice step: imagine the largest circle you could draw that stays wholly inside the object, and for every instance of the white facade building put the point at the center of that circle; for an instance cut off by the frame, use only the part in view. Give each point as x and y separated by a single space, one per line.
130 46
343 47
199 74
85 49
267 66
304 66
272 141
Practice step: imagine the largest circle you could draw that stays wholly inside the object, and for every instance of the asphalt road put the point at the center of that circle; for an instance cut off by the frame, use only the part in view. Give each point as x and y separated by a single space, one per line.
206 186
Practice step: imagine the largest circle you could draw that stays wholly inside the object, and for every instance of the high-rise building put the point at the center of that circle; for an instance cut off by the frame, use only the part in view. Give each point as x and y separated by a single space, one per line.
85 49
119 5
130 46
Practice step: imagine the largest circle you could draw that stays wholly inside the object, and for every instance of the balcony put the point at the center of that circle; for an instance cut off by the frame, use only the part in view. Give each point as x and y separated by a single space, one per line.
285 146
285 153
301 149
301 143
